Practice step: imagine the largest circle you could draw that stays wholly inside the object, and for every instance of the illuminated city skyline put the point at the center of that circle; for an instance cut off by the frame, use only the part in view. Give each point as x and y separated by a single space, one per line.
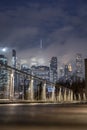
60 24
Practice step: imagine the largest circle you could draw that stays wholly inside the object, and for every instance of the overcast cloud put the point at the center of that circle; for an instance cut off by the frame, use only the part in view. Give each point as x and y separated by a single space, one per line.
61 24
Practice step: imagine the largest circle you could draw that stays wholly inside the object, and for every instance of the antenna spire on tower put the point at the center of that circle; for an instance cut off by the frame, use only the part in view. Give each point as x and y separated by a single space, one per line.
41 44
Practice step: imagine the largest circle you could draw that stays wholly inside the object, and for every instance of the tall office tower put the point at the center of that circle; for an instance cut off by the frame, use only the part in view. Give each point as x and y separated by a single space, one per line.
3 60
24 80
61 71
53 70
70 70
79 65
86 76
16 75
13 58
66 72
4 87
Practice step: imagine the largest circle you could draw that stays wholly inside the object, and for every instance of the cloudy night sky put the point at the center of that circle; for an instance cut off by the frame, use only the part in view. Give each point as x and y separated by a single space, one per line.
61 24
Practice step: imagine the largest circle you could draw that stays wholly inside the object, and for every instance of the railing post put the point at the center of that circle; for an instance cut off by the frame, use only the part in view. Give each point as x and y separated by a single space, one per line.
68 94
65 94
31 89
60 94
23 91
74 97
84 96
7 88
71 95
79 97
12 85
53 94
44 92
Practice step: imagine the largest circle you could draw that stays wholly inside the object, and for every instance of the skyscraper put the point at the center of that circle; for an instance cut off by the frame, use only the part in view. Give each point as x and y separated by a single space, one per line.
53 70
3 78
66 72
86 76
3 60
79 65
13 58
15 73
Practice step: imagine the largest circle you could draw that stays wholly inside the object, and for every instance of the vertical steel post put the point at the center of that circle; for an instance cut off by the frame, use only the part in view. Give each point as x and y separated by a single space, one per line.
31 88
44 92
12 85
65 94
53 94
71 92
60 94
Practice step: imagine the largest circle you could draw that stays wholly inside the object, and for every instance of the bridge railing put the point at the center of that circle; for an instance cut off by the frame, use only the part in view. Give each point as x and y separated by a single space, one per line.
19 85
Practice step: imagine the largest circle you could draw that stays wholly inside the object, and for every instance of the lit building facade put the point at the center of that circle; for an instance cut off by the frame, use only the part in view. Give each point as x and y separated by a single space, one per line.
41 72
24 80
86 76
3 77
3 60
79 65
53 70
66 72
13 58
25 68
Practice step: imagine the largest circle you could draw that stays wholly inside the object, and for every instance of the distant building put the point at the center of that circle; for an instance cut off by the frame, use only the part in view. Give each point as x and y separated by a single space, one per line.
53 70
41 72
3 77
3 60
86 76
61 72
66 72
15 73
24 80
25 68
79 65
14 58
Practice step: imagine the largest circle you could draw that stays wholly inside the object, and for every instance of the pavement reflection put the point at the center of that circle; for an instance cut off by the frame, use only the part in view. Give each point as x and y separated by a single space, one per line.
47 116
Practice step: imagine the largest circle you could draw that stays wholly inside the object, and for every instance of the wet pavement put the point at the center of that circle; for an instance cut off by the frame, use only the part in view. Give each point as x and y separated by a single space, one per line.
43 116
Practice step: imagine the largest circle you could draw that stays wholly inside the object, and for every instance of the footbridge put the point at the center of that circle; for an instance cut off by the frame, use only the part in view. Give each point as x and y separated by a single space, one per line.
17 85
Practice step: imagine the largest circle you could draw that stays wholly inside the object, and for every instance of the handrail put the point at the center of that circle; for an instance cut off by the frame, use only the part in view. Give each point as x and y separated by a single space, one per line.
20 71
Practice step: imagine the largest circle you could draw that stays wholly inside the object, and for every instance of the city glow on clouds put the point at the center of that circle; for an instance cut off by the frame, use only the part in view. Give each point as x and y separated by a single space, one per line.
4 49
61 24
37 61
